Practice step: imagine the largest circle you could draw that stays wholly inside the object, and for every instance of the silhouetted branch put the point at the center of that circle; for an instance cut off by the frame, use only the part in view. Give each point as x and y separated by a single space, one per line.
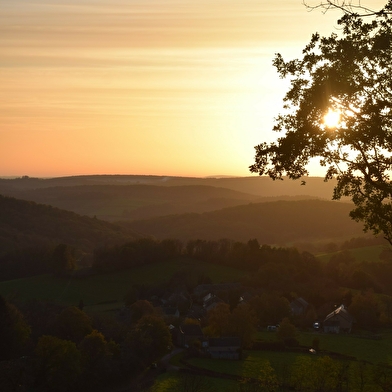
350 7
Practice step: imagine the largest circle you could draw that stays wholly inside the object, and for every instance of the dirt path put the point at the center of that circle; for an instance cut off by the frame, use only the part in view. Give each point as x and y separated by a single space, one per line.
146 380
165 361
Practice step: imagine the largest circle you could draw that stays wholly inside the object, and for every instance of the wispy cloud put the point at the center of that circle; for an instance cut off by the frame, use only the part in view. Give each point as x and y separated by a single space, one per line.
173 76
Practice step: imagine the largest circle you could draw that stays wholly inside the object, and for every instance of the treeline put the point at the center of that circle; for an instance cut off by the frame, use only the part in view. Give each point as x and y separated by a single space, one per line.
135 253
272 268
61 260
248 256
284 270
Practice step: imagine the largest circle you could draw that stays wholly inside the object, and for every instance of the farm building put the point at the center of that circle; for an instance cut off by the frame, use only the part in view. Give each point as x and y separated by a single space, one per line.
224 348
338 321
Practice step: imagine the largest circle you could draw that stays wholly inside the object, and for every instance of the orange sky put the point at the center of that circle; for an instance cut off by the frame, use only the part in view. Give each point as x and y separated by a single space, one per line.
165 87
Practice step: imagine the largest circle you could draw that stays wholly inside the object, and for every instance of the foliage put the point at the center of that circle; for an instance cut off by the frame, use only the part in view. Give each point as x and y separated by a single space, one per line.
98 358
286 331
140 309
364 308
135 253
14 331
72 324
350 74
217 321
16 375
320 375
59 363
145 343
62 260
266 380
242 323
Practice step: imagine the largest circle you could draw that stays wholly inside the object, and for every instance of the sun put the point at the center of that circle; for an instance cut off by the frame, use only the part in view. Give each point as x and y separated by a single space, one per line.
332 118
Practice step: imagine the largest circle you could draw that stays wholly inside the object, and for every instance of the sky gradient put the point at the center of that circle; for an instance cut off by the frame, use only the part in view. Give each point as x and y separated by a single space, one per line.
168 87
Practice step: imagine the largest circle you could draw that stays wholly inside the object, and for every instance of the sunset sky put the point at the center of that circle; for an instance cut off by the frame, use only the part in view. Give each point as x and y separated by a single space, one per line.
160 87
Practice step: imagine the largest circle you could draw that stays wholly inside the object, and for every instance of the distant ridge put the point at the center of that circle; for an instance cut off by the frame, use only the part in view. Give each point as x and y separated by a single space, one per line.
118 197
256 185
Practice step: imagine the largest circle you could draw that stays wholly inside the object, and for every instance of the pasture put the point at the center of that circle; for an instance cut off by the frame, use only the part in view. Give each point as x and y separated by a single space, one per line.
369 253
359 346
106 292
351 348
169 381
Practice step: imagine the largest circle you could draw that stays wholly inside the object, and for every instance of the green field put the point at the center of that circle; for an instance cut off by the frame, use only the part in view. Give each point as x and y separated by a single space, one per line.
106 292
369 253
250 365
167 382
352 345
371 351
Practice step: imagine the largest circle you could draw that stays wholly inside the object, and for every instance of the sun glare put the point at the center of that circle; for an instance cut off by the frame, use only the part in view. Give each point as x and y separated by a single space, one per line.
332 118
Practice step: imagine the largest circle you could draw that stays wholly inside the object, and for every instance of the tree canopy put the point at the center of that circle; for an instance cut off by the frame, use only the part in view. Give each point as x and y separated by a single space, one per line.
346 77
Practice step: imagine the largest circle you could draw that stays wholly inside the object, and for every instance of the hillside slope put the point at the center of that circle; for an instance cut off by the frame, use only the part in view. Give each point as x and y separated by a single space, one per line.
279 222
27 224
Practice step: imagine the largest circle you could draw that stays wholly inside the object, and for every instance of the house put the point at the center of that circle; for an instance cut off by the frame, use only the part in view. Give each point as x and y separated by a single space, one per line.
196 312
170 312
338 321
210 301
224 348
299 306
188 334
245 298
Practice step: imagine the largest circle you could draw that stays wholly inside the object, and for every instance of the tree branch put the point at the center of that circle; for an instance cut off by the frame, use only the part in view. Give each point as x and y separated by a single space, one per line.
347 7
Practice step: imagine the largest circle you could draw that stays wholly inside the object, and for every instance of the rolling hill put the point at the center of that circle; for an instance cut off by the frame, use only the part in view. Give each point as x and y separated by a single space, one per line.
115 202
279 222
138 197
28 224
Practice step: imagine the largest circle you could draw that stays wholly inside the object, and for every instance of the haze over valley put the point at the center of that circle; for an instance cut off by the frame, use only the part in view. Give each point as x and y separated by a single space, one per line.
91 211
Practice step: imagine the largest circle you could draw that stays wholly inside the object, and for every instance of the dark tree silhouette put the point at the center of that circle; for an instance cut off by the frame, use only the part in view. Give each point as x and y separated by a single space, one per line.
14 331
351 7
349 74
63 260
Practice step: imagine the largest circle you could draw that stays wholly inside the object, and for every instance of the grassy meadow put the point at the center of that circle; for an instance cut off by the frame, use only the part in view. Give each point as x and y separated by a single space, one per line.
353 347
106 292
169 381
369 253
